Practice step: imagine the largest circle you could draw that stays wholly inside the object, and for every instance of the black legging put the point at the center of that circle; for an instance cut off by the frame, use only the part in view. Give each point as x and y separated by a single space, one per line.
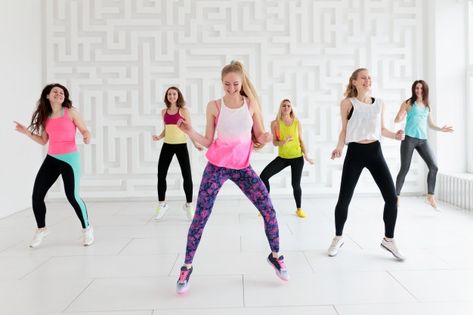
358 157
277 165
165 157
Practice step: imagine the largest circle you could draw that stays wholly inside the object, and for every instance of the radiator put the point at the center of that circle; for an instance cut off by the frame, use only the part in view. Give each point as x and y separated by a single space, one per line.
456 189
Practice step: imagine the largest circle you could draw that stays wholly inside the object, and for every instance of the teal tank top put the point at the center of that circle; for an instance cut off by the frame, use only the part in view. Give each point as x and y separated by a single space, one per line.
416 122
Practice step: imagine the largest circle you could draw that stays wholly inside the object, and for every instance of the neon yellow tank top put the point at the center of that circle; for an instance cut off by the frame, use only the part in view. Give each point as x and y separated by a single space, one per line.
292 149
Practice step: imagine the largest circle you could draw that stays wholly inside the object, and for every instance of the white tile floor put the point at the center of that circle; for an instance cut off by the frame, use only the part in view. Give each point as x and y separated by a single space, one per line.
133 266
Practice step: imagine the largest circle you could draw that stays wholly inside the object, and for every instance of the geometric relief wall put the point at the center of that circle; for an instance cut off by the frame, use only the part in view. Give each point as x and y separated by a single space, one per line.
117 57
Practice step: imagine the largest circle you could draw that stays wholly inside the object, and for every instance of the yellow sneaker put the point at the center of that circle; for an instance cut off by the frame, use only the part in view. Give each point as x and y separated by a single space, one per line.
300 213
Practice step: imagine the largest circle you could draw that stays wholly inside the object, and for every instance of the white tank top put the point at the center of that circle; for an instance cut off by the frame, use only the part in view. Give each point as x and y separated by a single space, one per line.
365 121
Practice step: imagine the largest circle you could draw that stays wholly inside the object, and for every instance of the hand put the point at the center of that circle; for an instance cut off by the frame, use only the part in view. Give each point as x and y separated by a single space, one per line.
198 146
337 153
309 160
399 135
289 138
184 125
86 139
265 138
20 128
157 137
446 129
262 140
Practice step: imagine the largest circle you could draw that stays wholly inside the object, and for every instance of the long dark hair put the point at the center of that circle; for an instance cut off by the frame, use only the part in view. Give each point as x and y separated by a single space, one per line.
180 103
44 109
425 92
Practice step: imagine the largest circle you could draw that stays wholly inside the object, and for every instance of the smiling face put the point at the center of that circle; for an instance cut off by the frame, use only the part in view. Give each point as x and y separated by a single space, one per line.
286 108
232 82
56 95
172 96
362 81
419 90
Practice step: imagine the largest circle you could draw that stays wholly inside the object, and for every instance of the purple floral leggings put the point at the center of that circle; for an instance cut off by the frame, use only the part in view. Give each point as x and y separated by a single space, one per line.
250 183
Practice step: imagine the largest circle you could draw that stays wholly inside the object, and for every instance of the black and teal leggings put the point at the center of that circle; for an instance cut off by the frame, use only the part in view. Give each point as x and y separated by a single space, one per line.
165 157
357 158
277 165
68 166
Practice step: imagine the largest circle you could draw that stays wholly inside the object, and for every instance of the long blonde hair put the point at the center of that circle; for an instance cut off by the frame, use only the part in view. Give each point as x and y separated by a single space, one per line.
351 89
247 89
292 114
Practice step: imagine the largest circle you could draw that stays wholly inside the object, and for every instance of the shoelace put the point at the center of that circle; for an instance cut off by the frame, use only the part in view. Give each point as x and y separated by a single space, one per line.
183 276
281 263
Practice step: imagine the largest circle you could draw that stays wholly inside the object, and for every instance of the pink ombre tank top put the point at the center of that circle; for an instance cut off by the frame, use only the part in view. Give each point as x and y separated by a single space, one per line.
232 147
62 134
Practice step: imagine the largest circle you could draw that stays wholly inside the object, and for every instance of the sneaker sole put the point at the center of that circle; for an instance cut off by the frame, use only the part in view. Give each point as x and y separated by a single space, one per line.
395 256
276 272
329 255
183 291
36 246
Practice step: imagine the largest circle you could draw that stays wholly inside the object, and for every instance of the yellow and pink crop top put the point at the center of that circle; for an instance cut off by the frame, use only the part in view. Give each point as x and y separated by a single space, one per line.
172 133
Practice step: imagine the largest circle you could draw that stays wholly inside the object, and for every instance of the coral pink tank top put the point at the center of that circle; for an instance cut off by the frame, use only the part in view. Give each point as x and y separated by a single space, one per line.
62 134
232 147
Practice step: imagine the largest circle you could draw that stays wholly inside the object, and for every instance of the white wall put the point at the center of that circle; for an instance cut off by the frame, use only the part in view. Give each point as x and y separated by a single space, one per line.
447 72
20 86
469 88
118 57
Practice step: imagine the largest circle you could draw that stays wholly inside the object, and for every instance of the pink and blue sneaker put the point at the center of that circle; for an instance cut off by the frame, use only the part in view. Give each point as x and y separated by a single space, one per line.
182 285
279 267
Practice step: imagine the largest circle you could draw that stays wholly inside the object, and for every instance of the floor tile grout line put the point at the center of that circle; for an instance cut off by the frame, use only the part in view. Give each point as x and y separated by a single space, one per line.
173 265
403 286
36 268
356 243
125 246
335 309
308 262
80 293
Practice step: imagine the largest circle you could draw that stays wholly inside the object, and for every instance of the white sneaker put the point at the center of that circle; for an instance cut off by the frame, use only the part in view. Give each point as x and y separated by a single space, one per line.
391 247
38 237
88 236
337 242
161 210
189 209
